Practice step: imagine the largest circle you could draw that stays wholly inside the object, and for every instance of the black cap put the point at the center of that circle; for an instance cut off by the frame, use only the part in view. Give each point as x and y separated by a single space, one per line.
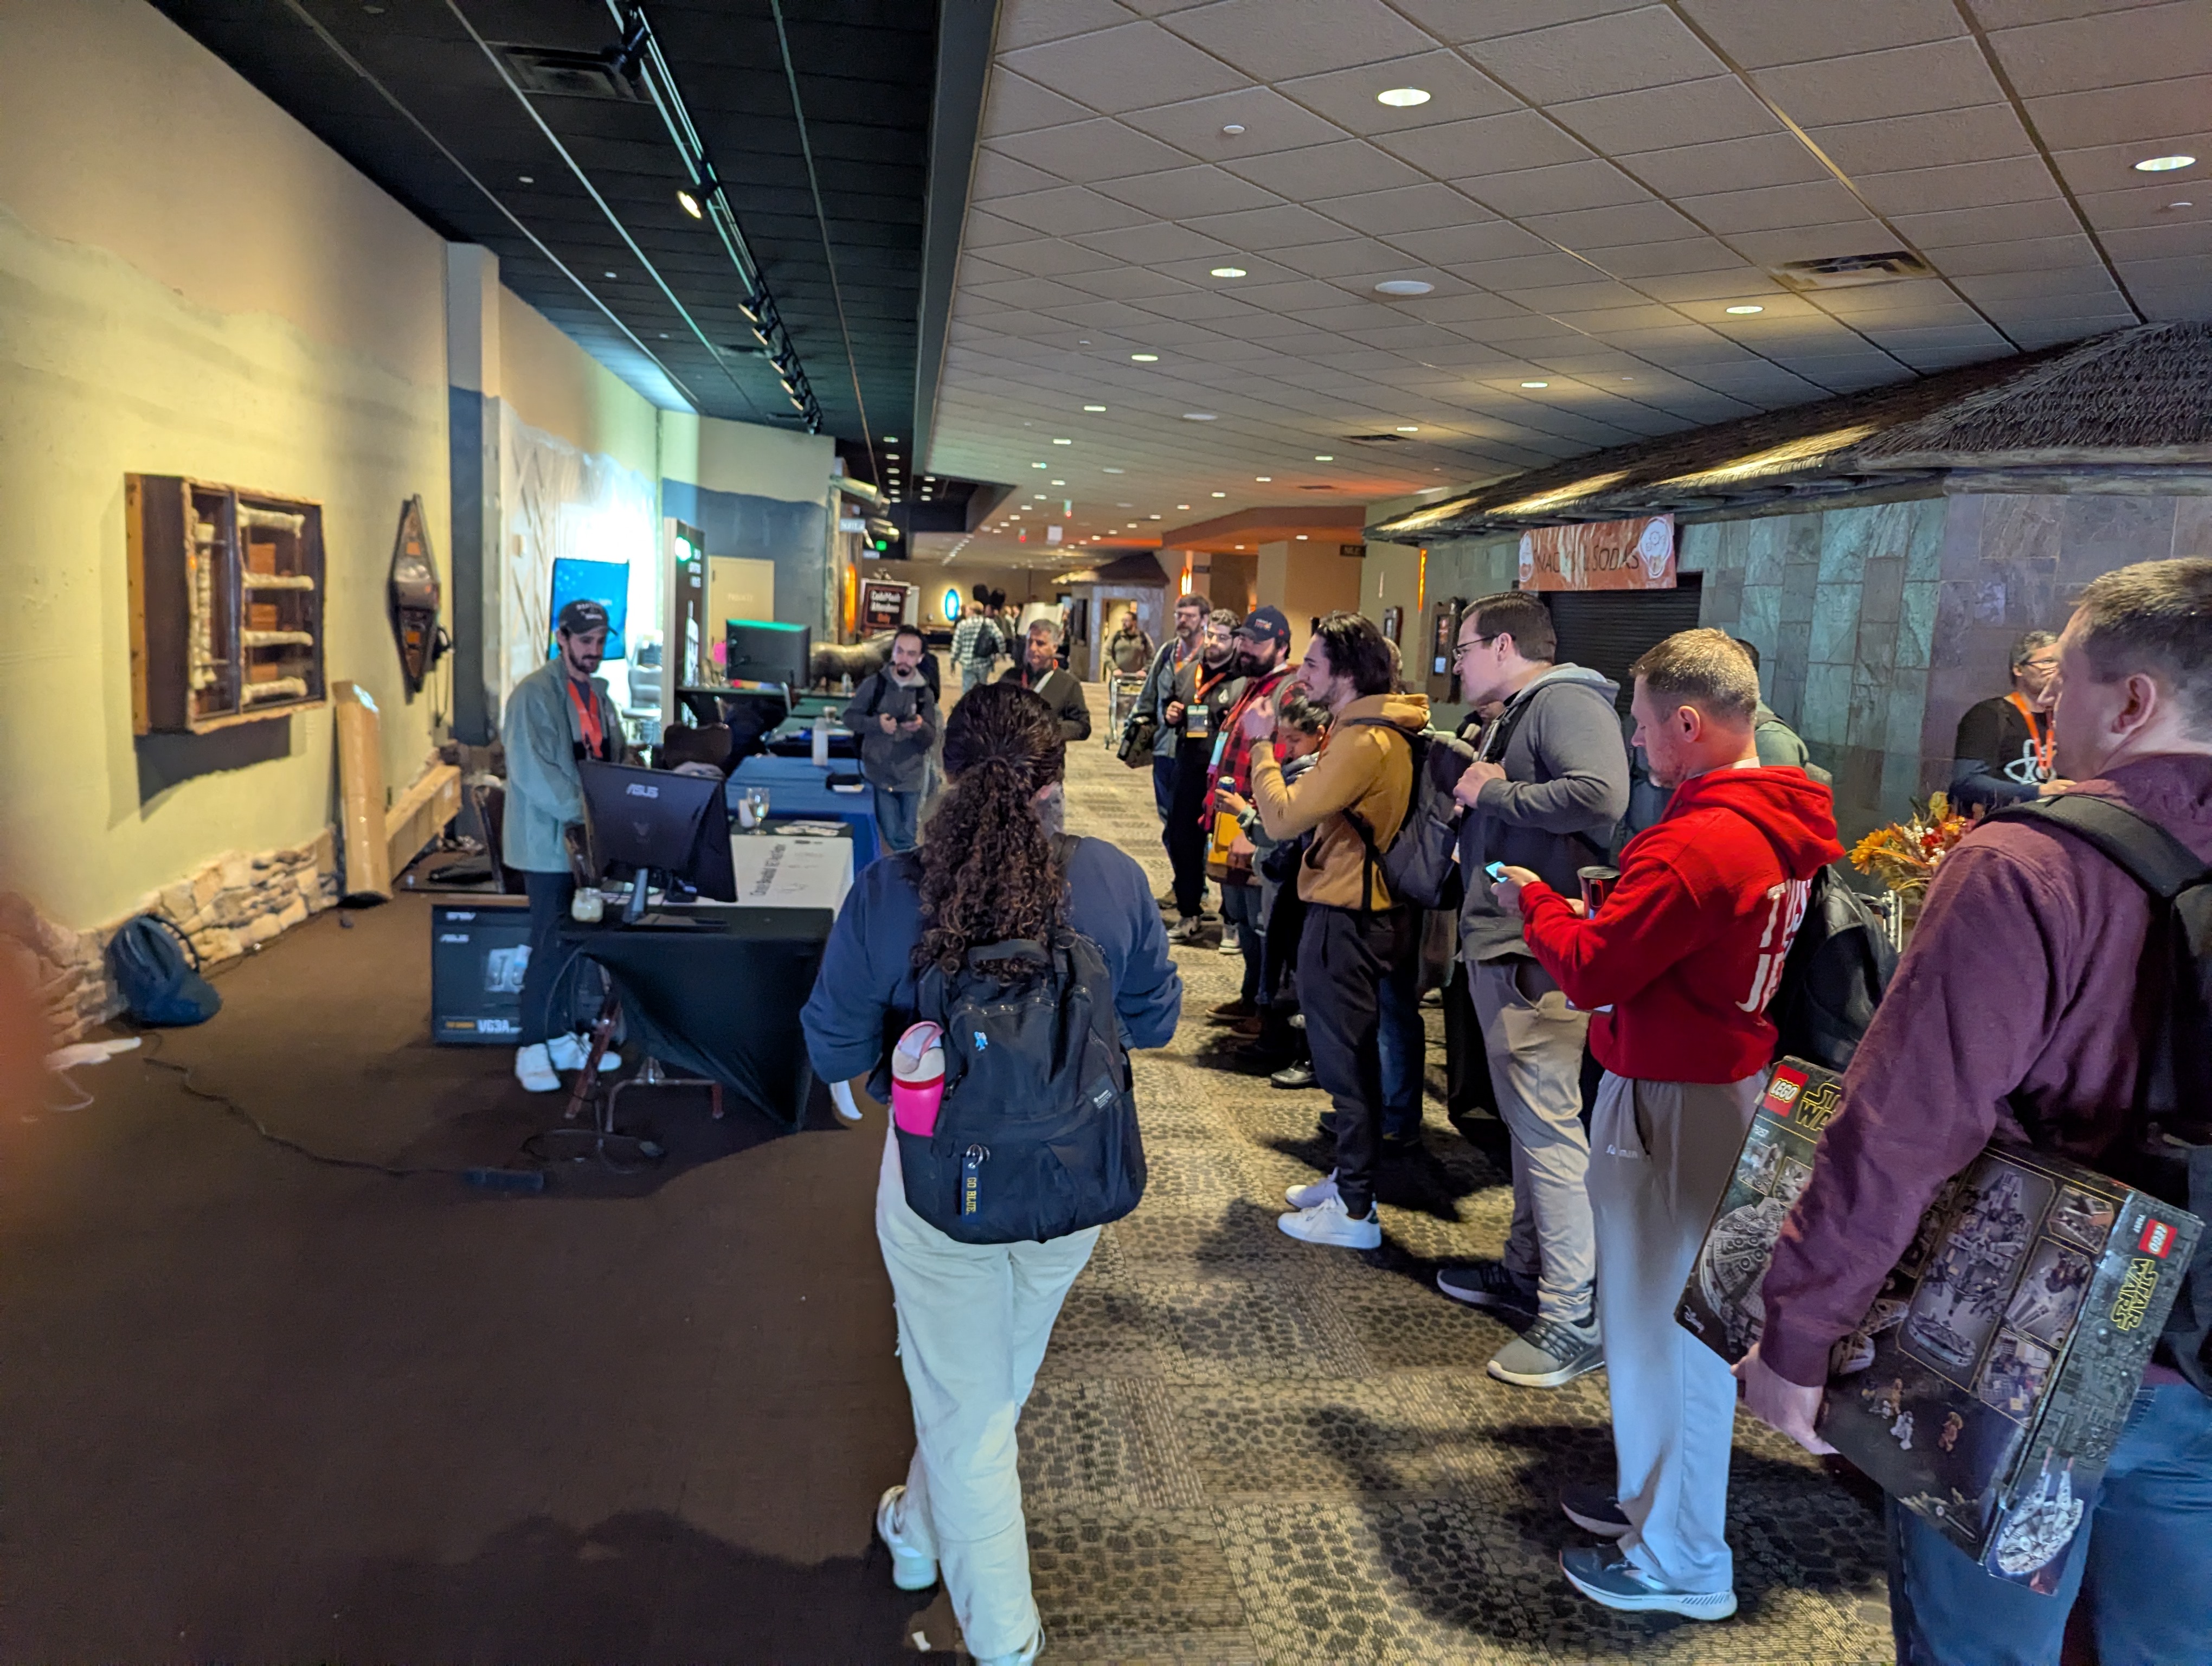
1265 624
579 618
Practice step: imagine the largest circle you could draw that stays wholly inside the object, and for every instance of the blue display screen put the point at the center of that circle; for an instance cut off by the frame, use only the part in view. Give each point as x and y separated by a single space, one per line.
607 583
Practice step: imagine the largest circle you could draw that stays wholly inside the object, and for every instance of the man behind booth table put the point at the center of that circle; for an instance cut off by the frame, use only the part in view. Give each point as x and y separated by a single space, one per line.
1358 937
1261 645
1040 673
2005 753
1676 969
1160 699
974 1319
1550 780
1209 686
2013 1013
557 715
895 715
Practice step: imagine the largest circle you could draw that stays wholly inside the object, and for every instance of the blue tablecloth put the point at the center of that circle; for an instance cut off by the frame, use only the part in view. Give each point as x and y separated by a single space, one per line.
795 788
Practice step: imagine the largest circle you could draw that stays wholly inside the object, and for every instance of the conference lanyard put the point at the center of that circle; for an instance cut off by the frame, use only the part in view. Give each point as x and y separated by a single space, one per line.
588 719
2038 735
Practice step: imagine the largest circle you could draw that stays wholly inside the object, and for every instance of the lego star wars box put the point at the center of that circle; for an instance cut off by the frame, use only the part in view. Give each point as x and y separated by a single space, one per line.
1992 1376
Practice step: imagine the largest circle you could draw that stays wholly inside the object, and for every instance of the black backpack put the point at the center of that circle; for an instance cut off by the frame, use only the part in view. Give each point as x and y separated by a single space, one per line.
2169 1153
1419 865
147 958
1037 1135
1839 966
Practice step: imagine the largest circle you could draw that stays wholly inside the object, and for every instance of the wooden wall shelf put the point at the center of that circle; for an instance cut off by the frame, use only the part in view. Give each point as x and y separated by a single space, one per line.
226 603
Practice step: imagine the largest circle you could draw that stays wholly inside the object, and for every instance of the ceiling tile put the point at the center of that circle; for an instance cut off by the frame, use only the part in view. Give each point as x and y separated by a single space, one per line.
2031 336
1738 282
1087 151
1859 234
1686 255
1487 144
1947 74
1586 230
1758 34
998 175
1125 283
1570 305
1456 90
1284 297
1015 105
1184 193
1773 207
1620 53
2023 255
1525 272
2110 169
1027 292
1409 207
2155 43
2036 282
1980 134
2175 239
2011 14
2123 115
1044 257
1765 159
2003 223
1111 315
1455 246
986 230
1281 227
1154 245
1034 20
1568 185
1271 122
2145 206
1066 209
1130 68
1460 21
1959 185
1325 170
1275 39
1350 258
1472 307
1690 113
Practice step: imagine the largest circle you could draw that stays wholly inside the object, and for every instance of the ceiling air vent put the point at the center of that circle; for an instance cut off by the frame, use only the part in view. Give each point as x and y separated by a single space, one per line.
1377 438
560 72
1848 271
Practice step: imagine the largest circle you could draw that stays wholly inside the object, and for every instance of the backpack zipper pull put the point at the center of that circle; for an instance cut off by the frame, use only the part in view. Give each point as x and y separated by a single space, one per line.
971 1179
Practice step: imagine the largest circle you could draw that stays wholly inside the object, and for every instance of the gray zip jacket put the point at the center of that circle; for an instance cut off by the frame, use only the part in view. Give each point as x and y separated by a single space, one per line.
1162 685
1566 769
896 762
545 794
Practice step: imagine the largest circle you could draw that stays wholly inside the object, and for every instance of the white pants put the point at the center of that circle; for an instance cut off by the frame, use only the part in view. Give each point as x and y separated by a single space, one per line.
973 1324
1534 1040
1661 1155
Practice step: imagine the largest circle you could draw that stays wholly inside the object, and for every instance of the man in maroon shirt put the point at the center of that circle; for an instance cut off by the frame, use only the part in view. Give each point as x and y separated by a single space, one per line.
1676 969
2012 1014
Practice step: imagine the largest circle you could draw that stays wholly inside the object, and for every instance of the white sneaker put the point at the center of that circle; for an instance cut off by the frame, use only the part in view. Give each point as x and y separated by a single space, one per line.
910 1569
1321 1191
534 1070
1230 942
1021 1656
1326 1222
568 1051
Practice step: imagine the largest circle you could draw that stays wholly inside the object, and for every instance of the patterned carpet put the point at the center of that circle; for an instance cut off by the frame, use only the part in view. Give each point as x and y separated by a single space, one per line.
1244 1449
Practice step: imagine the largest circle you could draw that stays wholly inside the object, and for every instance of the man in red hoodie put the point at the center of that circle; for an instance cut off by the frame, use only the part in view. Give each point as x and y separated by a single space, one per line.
1676 969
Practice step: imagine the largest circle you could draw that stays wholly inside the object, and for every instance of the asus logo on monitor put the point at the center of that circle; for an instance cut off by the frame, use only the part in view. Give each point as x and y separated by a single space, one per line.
638 789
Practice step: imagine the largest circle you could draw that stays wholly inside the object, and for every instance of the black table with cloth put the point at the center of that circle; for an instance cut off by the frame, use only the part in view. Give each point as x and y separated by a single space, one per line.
721 1004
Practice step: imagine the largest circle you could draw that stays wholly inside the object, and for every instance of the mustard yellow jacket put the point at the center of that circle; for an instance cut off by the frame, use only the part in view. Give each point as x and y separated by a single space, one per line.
1363 768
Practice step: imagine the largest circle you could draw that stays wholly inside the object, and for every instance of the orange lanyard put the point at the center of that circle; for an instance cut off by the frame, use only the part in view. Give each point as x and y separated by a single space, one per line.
588 719
2038 735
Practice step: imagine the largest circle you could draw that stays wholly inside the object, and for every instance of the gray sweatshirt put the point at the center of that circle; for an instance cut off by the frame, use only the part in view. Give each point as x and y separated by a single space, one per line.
1566 769
896 762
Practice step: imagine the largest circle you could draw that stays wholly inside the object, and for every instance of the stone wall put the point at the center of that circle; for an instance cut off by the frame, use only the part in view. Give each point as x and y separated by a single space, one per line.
228 907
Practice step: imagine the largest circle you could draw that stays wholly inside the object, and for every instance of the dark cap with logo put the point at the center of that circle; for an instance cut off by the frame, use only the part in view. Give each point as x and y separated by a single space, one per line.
581 617
1266 624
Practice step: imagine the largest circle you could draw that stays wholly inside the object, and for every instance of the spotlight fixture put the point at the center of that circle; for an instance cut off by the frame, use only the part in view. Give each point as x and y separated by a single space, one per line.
693 198
1221 493
1324 457
1403 286
2163 164
1094 407
1745 312
1402 98
1409 428
1535 384
1063 442
1113 471
1183 506
526 178
1198 417
1228 271
1143 358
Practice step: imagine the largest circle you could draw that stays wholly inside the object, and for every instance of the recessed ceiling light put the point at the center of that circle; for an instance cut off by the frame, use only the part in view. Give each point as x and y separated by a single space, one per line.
1198 415
1301 539
1115 471
2180 205
1402 98
610 274
688 200
1143 358
1152 517
1038 466
1234 127
1059 482
1094 407
1183 506
2163 164
1325 457
890 439
1063 442
1228 271
1263 478
1743 312
526 178
1409 428
664 335
1221 493
1535 384
1403 286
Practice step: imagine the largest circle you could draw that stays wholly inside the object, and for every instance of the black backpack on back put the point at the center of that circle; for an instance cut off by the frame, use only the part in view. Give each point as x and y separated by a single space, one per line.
1839 966
1419 867
2169 1153
1037 1134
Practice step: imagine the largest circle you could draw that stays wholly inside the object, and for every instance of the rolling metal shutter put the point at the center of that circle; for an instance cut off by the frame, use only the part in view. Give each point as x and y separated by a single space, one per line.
1608 630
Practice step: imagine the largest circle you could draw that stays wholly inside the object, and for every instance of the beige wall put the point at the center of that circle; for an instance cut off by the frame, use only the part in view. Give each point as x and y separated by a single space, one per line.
558 388
142 331
746 457
1306 579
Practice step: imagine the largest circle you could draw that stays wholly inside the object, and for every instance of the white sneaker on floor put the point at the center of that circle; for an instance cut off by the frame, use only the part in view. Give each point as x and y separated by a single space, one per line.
569 1050
1021 1656
910 1569
1304 1197
534 1070
1230 942
1326 1222
1601 1573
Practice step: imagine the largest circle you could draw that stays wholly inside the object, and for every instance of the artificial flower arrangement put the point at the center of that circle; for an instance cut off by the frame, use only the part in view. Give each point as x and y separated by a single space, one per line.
1905 855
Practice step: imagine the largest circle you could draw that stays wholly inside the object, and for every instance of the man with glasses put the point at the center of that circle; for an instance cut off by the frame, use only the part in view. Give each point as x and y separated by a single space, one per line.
1549 781
2004 752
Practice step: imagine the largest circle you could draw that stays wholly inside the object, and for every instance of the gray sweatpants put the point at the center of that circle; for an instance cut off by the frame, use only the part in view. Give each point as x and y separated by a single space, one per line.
973 1324
1534 1040
1661 1155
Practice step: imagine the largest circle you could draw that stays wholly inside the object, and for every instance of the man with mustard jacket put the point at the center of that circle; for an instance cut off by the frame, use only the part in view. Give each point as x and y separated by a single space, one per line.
1358 938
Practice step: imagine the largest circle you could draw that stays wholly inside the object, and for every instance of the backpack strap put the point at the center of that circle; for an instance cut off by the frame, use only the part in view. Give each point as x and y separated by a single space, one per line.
2138 846
1372 856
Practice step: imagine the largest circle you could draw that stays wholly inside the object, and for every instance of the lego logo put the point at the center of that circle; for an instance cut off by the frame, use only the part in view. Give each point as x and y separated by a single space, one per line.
1782 1093
2157 1238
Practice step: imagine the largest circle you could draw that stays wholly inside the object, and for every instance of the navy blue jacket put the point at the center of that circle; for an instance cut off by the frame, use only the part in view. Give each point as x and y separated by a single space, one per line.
864 995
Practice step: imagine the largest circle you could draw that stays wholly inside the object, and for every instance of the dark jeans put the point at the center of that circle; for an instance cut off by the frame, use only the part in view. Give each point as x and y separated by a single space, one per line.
549 894
1185 834
1240 907
1162 782
1404 1043
898 815
1348 962
2141 1560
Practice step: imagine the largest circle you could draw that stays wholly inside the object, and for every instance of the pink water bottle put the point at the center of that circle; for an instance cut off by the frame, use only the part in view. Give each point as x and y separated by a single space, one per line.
918 1079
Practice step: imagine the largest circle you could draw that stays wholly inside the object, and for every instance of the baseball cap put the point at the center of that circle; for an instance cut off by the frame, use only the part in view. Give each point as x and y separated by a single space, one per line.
1265 624
581 617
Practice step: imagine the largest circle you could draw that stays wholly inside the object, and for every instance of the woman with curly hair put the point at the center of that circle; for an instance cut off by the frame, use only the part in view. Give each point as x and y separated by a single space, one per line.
973 1319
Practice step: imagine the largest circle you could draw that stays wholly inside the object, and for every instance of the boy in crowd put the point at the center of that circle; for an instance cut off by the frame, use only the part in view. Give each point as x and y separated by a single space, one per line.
2014 1013
1676 969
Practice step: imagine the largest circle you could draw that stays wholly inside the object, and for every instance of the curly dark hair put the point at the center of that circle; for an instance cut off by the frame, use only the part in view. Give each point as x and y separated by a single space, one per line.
989 872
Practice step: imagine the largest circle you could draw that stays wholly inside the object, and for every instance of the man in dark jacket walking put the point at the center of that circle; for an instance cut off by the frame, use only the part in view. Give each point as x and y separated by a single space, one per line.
1039 672
2012 1013
895 715
1544 792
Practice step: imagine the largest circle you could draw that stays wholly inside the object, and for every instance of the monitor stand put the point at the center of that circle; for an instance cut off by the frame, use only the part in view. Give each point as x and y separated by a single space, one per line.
633 913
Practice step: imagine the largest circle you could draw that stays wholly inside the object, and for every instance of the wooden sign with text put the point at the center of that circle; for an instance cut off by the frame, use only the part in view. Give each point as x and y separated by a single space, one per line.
1603 555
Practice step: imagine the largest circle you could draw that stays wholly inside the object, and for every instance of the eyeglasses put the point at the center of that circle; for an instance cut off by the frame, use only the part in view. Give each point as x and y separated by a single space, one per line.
1474 642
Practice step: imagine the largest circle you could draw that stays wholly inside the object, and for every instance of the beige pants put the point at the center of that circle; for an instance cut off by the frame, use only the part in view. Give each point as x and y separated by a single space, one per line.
973 1324
1661 1155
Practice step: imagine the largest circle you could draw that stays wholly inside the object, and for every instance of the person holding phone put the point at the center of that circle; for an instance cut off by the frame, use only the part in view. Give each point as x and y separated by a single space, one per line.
895 715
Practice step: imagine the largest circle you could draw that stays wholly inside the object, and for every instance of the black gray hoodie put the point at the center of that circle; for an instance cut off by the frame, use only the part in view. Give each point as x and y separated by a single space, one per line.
1566 784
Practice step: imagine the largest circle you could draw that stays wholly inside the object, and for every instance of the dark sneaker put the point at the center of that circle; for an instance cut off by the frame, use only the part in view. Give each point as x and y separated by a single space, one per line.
1549 1355
1488 1284
1605 1576
1230 1011
1293 1075
1593 1509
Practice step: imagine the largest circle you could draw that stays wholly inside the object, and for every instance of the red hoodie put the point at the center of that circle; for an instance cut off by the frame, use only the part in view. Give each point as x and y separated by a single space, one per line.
1678 967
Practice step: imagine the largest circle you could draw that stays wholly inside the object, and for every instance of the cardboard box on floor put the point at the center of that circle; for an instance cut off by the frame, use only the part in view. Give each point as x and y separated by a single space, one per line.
381 838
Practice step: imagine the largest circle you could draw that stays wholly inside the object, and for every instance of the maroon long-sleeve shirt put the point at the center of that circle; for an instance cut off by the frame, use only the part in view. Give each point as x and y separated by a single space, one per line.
2020 977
